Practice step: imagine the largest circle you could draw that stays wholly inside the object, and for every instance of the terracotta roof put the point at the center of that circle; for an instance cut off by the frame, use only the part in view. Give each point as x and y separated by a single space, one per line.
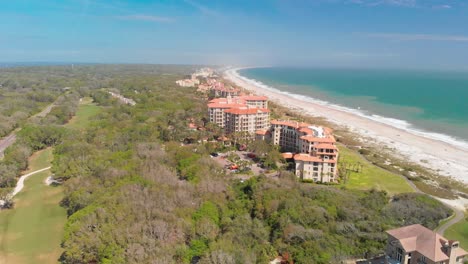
325 146
227 101
306 130
423 240
288 123
287 155
221 105
311 138
262 132
253 98
307 157
246 111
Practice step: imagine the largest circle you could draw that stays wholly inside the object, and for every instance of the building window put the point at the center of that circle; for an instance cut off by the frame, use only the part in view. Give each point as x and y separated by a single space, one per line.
399 254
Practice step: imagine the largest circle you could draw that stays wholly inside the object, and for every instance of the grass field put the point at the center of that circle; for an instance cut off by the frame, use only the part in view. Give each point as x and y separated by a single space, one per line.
372 176
86 110
32 231
459 232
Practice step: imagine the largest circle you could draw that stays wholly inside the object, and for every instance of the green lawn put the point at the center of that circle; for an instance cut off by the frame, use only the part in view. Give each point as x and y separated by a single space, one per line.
372 176
459 232
32 231
86 110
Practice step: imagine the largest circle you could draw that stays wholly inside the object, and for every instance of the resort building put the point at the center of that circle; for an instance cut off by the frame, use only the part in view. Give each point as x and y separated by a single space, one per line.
188 82
255 101
316 155
416 244
240 114
246 119
222 91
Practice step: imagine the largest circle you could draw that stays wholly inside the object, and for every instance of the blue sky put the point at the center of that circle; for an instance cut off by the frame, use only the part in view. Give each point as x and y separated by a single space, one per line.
344 33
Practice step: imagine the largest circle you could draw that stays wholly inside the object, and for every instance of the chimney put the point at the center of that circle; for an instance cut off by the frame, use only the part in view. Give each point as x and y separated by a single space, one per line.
452 250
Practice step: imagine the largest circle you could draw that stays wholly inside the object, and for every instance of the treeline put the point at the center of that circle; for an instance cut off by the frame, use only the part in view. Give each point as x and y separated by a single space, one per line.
135 194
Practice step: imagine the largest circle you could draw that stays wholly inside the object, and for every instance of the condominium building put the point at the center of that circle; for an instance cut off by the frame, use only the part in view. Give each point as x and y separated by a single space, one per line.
218 106
246 119
416 244
255 101
316 153
240 114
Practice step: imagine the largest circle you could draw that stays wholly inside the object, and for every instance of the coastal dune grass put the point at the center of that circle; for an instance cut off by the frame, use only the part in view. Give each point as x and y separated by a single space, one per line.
32 231
371 176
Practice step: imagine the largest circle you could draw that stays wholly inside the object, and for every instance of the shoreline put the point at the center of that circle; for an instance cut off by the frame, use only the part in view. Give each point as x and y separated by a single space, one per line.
443 158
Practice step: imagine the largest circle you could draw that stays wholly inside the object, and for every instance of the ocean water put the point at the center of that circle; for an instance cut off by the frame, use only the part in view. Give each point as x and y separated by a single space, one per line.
429 103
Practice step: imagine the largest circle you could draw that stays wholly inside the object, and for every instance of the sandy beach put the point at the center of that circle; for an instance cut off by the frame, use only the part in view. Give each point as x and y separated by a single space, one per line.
448 160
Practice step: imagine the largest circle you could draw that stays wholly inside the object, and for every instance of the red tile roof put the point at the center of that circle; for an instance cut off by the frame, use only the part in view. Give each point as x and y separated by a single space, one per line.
423 240
262 132
311 138
254 98
307 157
246 111
325 146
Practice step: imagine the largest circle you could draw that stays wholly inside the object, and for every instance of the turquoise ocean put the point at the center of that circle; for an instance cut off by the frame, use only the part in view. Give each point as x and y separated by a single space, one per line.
433 104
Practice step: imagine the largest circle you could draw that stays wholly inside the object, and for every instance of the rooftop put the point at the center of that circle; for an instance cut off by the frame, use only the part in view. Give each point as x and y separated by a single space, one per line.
246 111
423 240
307 157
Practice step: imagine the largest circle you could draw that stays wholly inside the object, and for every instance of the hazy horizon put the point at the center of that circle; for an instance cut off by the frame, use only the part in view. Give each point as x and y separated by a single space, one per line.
413 34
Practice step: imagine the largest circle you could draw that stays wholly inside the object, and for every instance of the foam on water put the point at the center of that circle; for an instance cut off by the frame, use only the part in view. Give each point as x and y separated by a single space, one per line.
397 123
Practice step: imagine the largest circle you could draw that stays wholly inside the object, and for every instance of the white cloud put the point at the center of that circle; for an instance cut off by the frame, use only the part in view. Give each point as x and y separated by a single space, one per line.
147 18
418 37
203 9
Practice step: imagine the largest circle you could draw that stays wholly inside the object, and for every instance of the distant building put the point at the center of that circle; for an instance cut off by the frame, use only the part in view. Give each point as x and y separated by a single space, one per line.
416 244
316 155
188 82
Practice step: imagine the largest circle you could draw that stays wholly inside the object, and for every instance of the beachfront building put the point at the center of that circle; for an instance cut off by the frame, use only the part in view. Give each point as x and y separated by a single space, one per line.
188 82
316 154
255 101
240 114
416 244
222 91
218 106
246 119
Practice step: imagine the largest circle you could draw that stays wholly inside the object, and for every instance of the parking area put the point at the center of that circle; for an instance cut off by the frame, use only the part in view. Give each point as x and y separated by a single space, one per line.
241 163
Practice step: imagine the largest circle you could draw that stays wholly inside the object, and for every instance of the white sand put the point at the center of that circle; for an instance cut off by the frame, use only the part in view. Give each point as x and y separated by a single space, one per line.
448 160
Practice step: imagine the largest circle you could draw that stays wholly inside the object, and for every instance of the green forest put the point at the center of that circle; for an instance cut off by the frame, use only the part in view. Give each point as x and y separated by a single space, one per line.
135 194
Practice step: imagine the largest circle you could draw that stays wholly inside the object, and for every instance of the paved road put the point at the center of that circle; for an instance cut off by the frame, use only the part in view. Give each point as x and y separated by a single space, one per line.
459 215
11 138
6 142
